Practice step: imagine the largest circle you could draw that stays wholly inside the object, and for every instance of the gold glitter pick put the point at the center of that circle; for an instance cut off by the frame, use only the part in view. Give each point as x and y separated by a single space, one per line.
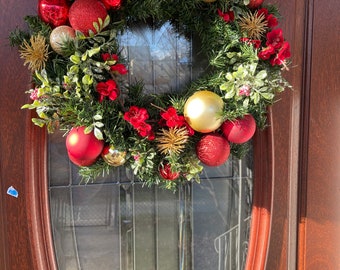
172 141
253 25
36 53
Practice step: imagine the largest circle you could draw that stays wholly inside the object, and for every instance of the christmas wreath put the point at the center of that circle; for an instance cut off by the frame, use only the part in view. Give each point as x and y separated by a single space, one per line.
73 51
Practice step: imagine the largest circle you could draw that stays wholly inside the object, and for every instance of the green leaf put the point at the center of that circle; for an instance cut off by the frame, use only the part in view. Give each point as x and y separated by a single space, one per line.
38 122
230 94
97 117
98 134
75 59
261 75
94 51
87 80
98 124
88 129
268 96
229 76
246 103
256 98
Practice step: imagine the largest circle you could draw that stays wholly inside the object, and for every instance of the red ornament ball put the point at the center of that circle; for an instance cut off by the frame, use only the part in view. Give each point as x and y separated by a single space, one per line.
83 13
83 147
54 12
255 3
166 172
240 130
213 150
81 162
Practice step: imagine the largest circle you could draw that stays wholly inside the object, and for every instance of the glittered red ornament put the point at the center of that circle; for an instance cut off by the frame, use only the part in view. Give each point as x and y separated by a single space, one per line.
213 150
166 172
83 13
81 146
240 130
255 3
54 12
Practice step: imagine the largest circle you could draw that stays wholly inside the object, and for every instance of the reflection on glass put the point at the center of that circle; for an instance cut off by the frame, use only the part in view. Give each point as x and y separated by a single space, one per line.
117 224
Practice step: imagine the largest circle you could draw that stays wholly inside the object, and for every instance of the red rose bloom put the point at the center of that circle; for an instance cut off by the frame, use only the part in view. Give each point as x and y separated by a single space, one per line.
266 53
107 89
275 38
135 116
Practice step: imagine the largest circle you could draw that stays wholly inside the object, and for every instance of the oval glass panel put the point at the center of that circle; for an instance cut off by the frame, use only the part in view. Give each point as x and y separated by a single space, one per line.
115 223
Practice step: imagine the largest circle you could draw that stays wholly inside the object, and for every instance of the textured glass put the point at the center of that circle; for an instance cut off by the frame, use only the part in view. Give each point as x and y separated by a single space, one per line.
115 223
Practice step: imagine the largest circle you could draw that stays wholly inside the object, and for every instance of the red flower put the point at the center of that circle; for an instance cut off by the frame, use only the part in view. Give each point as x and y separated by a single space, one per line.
172 118
107 89
271 21
135 116
266 53
143 129
275 38
262 11
227 17
115 4
120 68
108 56
255 42
282 55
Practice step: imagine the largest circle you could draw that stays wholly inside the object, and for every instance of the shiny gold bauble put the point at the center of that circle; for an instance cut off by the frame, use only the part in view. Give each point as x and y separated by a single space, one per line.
113 157
59 36
203 111
209 1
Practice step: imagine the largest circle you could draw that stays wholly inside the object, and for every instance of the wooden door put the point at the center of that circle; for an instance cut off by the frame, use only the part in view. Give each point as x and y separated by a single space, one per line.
296 222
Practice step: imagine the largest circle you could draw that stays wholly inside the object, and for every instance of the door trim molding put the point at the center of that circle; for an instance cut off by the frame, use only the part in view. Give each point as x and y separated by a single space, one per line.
38 211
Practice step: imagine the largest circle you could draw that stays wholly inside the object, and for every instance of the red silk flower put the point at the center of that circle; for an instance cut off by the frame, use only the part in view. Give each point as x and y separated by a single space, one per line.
107 89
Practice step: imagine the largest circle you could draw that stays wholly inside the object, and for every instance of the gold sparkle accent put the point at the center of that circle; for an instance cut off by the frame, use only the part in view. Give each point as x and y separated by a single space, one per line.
253 25
172 141
36 53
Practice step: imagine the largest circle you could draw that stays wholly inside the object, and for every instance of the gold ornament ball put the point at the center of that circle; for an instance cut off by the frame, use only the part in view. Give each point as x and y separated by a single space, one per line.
59 36
113 157
203 111
209 1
